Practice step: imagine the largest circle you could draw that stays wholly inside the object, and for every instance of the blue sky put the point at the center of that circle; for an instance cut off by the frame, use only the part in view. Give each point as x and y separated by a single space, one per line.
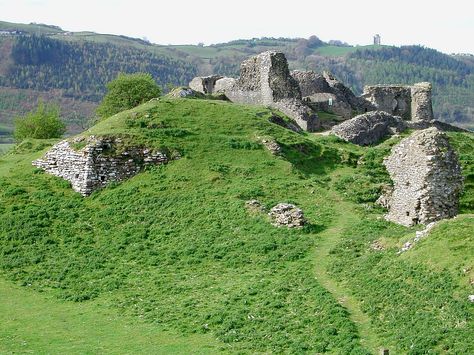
446 26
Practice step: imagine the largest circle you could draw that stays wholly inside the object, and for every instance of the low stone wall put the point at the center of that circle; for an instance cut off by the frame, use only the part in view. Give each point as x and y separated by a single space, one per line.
98 163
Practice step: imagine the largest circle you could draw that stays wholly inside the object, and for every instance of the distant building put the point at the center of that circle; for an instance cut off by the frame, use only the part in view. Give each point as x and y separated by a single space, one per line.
377 40
9 33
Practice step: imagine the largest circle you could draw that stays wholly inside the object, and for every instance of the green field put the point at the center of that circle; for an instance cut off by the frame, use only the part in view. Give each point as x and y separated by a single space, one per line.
33 322
175 252
4 147
339 51
30 28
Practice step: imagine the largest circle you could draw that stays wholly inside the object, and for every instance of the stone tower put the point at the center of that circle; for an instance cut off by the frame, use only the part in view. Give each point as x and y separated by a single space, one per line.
377 40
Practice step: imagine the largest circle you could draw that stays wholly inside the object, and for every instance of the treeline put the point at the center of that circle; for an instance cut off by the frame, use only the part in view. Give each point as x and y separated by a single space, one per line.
81 69
417 55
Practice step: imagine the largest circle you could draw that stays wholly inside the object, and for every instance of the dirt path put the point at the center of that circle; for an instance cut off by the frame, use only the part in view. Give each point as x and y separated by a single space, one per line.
327 240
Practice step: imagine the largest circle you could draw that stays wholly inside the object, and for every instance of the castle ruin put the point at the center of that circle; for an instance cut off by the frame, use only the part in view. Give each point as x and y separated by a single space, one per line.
426 177
411 102
97 163
265 80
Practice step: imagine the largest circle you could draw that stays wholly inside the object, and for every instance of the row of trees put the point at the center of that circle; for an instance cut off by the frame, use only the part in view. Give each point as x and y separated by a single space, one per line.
416 55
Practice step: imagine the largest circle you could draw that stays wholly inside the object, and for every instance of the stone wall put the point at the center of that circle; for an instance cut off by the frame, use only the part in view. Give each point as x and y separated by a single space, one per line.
421 105
426 177
324 92
265 80
204 84
409 102
98 163
393 99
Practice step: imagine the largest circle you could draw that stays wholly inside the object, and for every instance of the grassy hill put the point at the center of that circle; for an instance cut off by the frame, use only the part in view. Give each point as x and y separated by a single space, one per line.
176 253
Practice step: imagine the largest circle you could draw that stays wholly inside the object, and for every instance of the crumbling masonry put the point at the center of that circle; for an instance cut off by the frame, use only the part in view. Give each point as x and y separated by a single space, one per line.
426 177
97 164
264 80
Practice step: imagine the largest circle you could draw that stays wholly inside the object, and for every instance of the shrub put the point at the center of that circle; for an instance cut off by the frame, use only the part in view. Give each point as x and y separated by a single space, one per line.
42 123
127 91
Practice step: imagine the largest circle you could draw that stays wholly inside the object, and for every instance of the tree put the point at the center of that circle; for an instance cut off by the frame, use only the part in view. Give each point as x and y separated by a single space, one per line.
127 91
42 123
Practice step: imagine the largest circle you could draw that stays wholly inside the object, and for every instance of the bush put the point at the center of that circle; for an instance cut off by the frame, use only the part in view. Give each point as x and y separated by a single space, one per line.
127 91
42 123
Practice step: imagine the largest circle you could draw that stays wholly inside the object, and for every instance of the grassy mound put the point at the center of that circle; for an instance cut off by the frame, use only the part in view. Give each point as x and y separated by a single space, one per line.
176 247
175 244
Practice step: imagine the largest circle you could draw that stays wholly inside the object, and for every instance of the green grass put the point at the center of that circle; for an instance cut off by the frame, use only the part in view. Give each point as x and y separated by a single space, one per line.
176 248
30 28
449 247
434 276
35 323
175 245
336 51
5 147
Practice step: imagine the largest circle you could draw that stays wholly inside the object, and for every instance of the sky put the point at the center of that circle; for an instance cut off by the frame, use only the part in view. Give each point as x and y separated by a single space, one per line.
447 26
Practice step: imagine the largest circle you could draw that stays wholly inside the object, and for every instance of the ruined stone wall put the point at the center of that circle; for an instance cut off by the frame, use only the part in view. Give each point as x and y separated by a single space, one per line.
409 102
265 80
204 84
97 164
393 99
421 105
426 177
319 89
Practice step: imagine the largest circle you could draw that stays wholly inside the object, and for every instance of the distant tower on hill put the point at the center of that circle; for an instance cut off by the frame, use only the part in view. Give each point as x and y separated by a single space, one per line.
377 40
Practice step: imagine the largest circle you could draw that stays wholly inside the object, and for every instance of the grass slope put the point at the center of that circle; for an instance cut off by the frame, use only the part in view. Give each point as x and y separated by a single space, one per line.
33 323
175 246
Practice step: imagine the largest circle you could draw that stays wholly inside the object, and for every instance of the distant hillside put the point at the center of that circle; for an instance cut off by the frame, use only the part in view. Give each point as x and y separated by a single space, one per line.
76 65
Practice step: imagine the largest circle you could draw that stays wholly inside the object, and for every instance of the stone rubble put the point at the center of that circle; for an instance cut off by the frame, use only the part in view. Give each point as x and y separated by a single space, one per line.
426 177
96 164
287 215
376 245
184 92
323 92
271 145
418 236
204 84
255 206
369 128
